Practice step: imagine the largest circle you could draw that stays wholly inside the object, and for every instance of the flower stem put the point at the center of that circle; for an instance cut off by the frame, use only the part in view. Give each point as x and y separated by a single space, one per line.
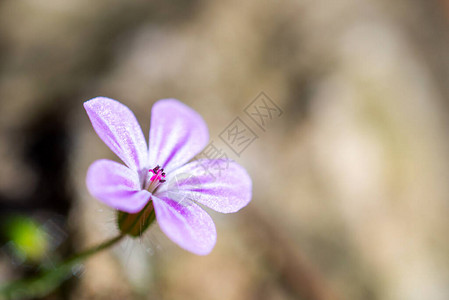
44 283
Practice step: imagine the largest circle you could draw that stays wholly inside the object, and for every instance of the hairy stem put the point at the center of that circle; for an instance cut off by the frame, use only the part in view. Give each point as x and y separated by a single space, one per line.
49 280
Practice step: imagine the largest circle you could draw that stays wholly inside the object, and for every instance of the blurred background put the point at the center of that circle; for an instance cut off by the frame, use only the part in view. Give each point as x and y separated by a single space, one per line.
349 173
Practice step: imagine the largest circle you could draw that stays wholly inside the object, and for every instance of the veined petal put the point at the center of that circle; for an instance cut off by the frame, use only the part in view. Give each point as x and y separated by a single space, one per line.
186 224
116 186
177 133
117 126
220 184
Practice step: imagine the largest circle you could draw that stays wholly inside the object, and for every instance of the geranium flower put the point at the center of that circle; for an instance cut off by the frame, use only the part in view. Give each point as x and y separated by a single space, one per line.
143 186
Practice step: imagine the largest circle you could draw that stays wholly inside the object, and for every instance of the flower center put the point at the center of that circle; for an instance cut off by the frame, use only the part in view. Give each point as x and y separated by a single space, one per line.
156 179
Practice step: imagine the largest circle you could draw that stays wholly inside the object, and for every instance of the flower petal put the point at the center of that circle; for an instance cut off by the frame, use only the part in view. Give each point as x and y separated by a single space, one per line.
220 184
116 185
186 224
117 126
177 133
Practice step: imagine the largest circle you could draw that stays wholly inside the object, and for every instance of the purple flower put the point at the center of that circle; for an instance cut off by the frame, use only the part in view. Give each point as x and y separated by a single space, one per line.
177 134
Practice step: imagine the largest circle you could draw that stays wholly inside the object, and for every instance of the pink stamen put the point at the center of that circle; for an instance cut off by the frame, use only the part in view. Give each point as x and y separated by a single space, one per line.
158 174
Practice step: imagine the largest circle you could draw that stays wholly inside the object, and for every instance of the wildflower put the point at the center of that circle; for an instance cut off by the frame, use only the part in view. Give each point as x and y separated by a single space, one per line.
143 190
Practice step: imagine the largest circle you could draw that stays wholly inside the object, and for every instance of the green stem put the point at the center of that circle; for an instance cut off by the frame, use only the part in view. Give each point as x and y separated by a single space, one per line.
51 279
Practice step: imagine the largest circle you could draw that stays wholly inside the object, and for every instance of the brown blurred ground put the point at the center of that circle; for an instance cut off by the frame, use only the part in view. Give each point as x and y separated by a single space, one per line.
350 183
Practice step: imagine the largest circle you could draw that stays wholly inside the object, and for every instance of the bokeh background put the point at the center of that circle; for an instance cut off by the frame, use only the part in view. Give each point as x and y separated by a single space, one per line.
351 192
